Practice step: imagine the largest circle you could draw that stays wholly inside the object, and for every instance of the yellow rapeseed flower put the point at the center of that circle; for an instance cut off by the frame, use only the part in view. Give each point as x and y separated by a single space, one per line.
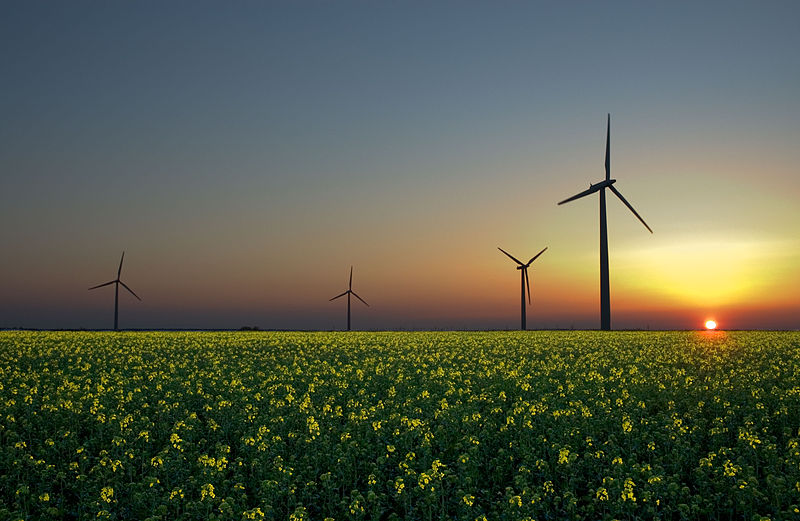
107 494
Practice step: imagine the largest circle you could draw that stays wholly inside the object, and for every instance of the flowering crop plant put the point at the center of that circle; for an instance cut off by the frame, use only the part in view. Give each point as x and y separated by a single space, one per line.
390 426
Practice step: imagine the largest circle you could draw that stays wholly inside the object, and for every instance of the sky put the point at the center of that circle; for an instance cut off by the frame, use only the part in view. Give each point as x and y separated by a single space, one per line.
245 155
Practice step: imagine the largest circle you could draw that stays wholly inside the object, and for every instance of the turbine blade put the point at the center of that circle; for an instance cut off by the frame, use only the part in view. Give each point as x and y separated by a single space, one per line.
536 256
340 295
592 189
629 207
359 298
101 285
608 149
129 289
527 284
119 271
350 285
512 257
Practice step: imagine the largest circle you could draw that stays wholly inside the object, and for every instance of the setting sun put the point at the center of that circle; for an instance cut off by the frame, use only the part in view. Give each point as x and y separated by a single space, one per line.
710 324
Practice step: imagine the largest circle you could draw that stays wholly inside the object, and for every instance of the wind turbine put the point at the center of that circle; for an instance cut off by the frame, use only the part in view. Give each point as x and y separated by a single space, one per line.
117 282
605 298
348 293
523 267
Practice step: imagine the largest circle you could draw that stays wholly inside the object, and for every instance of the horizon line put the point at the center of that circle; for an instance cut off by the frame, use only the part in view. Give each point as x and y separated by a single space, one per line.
256 329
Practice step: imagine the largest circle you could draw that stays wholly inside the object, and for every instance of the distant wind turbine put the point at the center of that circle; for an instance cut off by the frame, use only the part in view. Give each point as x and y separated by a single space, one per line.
117 282
523 267
348 293
605 298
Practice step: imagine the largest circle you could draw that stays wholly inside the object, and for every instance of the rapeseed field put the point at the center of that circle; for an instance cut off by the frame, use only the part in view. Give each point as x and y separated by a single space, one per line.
386 426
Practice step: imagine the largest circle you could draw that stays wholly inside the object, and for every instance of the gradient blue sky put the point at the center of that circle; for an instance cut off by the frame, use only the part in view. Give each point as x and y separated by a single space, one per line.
246 154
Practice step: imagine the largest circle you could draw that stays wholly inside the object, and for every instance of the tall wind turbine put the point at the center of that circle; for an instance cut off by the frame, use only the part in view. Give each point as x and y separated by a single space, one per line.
116 283
523 267
605 298
348 293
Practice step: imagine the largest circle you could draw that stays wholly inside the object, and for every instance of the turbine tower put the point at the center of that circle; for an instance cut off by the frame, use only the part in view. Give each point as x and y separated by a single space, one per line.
605 298
348 293
117 282
523 267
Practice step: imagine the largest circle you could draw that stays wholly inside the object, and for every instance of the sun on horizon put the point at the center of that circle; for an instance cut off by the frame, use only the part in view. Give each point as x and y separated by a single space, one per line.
711 324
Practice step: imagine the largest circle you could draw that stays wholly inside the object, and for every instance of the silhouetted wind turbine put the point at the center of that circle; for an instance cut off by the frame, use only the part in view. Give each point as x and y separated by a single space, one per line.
117 282
605 298
523 267
348 293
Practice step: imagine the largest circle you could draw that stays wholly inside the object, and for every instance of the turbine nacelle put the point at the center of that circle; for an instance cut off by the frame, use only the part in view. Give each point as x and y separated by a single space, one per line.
593 188
603 184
